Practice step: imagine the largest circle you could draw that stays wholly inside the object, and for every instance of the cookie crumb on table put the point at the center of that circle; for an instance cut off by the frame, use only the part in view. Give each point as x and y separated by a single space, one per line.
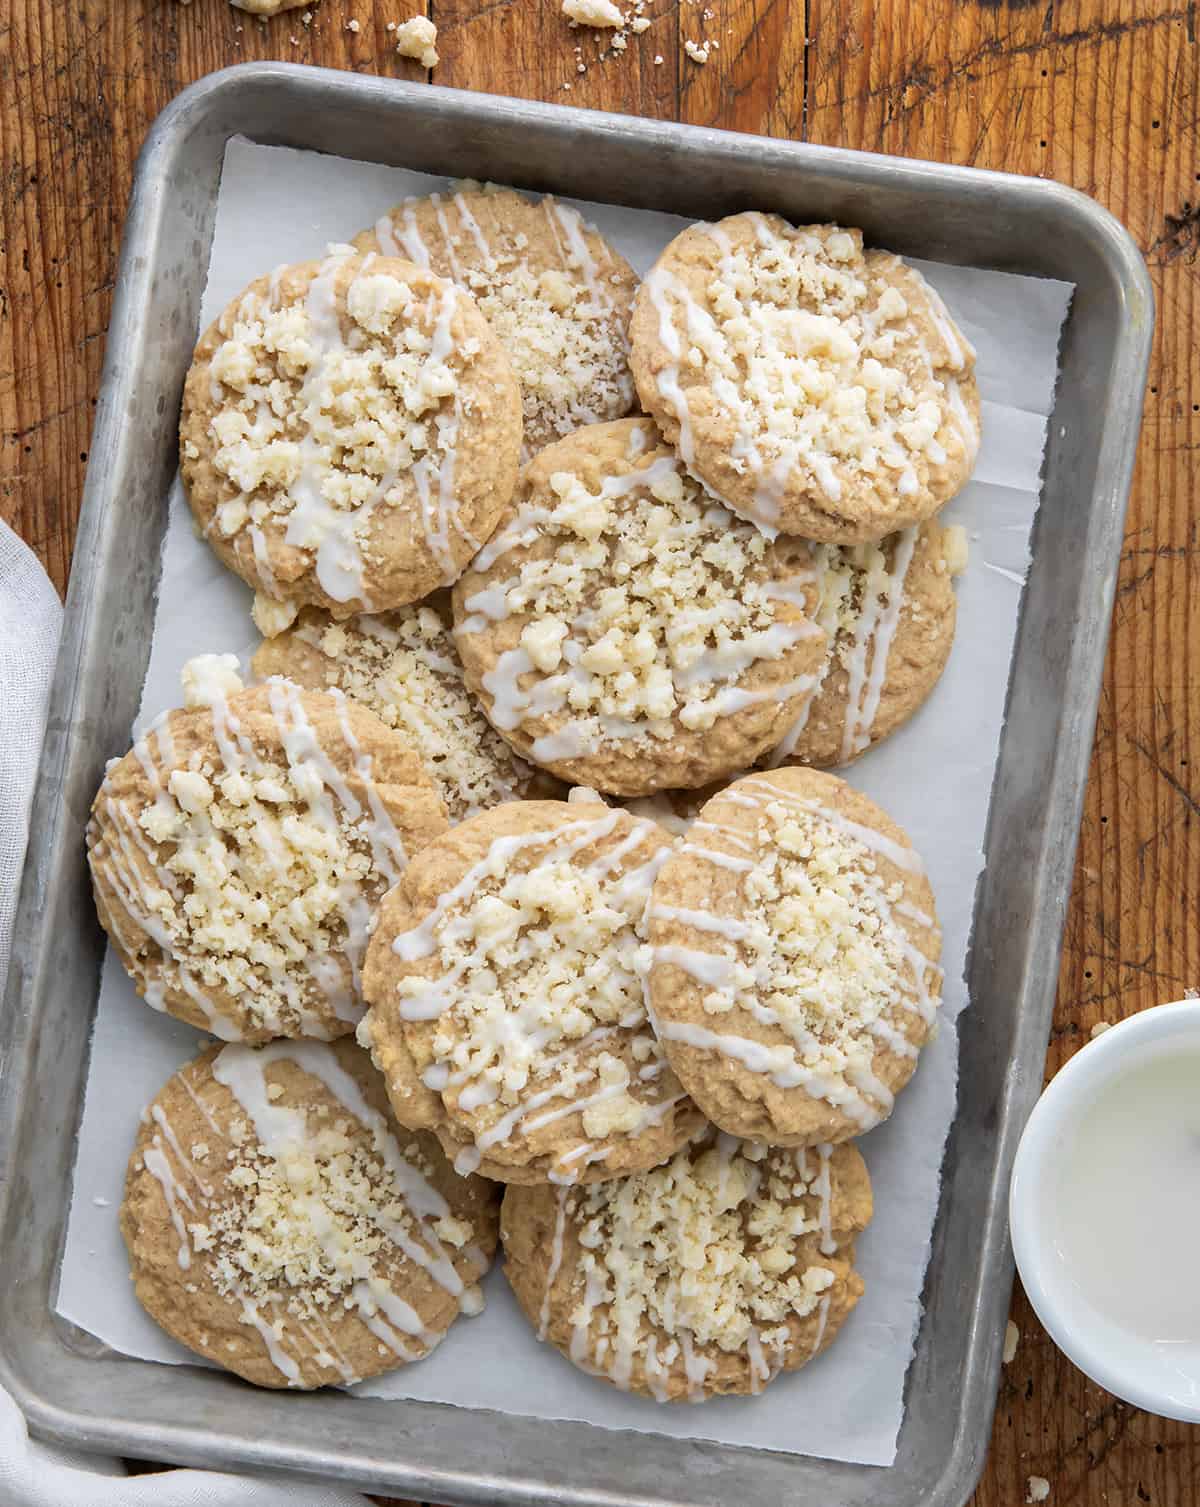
417 38
593 13
1012 1338
1039 1489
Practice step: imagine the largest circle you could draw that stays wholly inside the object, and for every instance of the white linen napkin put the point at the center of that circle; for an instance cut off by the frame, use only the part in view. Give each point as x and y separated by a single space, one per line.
34 1474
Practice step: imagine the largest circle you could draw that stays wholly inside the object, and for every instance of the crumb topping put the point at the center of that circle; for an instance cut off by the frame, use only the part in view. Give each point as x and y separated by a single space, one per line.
814 358
536 986
817 949
309 1207
955 548
706 1249
264 1243
561 326
263 866
417 38
593 13
404 667
654 599
332 407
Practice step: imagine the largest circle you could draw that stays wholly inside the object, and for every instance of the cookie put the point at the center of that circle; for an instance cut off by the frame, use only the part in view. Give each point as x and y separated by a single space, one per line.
404 667
888 611
281 1224
554 291
239 849
709 1275
794 972
505 991
350 433
624 631
814 387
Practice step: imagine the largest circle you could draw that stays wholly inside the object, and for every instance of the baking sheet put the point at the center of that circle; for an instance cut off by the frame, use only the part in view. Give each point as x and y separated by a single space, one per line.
934 777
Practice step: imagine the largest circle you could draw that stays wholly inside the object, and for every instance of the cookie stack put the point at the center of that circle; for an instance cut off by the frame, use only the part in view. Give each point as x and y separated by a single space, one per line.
523 796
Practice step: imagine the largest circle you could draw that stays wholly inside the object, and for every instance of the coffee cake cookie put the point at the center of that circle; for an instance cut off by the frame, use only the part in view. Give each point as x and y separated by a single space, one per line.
814 387
888 612
404 667
624 631
554 291
709 1275
794 971
350 433
281 1224
505 991
239 849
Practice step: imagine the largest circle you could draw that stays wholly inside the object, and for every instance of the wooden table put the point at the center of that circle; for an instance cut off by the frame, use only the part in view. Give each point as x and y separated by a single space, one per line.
1099 95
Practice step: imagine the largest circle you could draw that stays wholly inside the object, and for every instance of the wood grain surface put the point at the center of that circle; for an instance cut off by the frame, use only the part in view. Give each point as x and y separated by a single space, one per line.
1101 94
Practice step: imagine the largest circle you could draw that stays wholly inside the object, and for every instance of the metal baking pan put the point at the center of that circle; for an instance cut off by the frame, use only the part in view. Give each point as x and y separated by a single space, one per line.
75 1391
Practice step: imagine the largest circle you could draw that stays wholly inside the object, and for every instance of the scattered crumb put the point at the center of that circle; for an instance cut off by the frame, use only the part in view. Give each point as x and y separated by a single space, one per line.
101 1203
698 52
593 13
352 25
1100 1027
1012 1338
417 38
615 23
658 57
306 18
1039 1489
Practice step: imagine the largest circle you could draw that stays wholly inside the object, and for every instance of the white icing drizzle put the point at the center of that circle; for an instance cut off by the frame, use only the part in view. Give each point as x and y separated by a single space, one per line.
435 484
280 1358
556 1255
242 1070
428 999
312 519
388 244
159 1117
771 457
873 634
318 778
550 694
154 1159
857 1091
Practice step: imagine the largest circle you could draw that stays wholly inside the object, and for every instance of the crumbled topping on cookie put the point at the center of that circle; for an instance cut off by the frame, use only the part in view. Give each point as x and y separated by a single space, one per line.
209 678
653 598
263 863
822 950
544 955
320 406
271 616
265 883
403 666
310 1223
813 356
560 326
706 1246
955 548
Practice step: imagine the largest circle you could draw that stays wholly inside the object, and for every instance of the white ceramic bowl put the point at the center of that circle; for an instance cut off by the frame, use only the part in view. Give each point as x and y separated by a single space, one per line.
1162 1379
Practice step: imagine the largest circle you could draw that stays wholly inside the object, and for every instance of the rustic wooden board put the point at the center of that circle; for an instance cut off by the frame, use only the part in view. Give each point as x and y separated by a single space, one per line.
1101 94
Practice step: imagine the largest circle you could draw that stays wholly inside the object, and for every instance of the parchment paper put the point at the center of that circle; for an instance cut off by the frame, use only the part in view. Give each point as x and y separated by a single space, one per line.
934 777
